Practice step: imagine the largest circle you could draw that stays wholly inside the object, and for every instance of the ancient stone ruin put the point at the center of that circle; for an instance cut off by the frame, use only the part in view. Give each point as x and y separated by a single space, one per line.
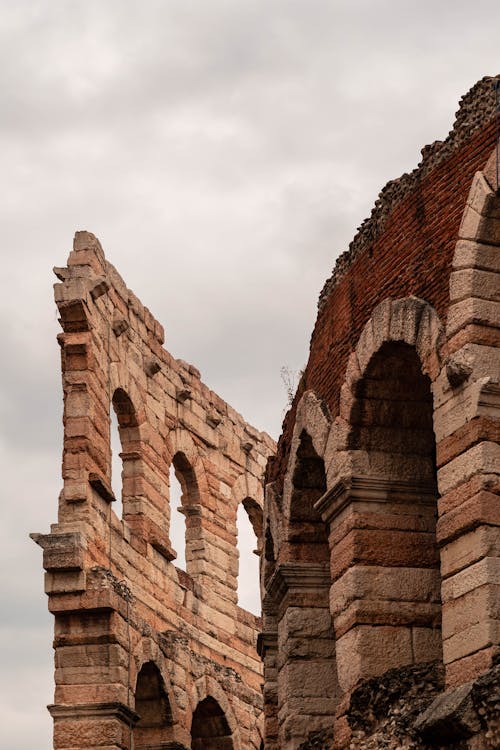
381 560
147 655
379 536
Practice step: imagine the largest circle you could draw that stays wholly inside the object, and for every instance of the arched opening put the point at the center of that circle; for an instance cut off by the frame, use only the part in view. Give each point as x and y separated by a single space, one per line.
116 464
209 729
307 532
124 437
269 562
388 600
185 532
177 522
307 674
249 531
154 727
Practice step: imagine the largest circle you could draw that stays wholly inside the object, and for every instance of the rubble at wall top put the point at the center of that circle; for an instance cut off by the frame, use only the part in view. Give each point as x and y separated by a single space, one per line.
476 107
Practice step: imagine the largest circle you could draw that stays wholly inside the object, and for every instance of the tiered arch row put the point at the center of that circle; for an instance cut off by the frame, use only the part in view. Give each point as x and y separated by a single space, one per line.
381 533
148 655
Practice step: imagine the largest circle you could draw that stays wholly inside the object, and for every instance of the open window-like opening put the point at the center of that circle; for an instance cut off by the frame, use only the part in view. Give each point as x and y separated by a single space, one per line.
209 729
153 707
185 521
177 521
123 438
116 464
249 530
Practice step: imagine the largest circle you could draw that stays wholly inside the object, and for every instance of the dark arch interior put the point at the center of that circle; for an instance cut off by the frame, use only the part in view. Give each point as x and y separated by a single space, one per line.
393 408
209 729
269 562
306 526
124 409
153 707
392 421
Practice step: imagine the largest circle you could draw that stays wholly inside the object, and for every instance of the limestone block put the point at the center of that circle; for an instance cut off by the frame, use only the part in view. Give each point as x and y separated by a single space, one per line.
305 623
65 582
475 638
478 605
467 668
476 255
480 221
482 508
368 651
481 573
307 679
457 408
472 282
405 319
427 644
382 612
366 582
472 310
481 458
382 322
365 347
468 549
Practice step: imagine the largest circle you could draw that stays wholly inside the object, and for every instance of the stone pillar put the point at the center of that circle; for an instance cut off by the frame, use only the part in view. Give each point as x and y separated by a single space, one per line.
384 596
92 725
306 669
467 425
267 647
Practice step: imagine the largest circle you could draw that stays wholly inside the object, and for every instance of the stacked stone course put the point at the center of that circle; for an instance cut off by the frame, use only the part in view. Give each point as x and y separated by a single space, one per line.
381 527
379 541
147 655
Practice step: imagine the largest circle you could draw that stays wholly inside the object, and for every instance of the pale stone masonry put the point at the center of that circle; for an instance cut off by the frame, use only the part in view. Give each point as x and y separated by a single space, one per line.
381 561
147 655
379 533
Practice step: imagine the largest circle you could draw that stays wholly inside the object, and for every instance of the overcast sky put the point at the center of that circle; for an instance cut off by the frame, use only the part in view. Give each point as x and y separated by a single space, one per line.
224 152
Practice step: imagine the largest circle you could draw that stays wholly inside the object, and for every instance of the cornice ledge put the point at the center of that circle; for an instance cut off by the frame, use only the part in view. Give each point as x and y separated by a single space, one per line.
297 576
373 489
94 710
265 641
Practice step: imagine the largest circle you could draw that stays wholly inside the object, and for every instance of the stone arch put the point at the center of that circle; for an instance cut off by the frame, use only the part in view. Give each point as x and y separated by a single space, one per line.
148 652
307 675
145 481
248 491
154 726
207 688
129 417
467 431
189 471
313 417
411 321
381 503
247 495
120 379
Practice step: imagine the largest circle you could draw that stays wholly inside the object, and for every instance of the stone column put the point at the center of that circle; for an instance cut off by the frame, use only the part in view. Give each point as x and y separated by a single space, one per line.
384 597
467 426
306 668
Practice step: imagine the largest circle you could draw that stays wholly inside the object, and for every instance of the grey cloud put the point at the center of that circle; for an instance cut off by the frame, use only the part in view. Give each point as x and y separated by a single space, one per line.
224 153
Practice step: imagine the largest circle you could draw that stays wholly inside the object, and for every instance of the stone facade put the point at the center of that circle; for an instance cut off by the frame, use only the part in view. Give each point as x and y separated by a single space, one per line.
381 560
379 540
147 656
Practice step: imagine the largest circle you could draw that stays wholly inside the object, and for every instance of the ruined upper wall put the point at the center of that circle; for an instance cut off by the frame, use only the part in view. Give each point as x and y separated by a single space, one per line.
476 107
128 623
404 248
